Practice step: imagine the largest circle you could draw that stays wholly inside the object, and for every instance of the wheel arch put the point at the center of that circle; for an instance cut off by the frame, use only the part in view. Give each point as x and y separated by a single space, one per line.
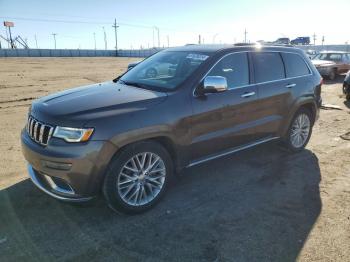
308 104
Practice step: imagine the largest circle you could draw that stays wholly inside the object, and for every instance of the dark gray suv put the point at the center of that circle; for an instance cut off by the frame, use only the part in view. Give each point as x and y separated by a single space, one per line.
176 109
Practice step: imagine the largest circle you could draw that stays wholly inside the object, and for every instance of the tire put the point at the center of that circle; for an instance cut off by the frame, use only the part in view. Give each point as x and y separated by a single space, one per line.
332 75
151 73
347 96
290 140
128 187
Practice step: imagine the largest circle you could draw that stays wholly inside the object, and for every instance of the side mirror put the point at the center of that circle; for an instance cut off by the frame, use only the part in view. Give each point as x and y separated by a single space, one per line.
214 84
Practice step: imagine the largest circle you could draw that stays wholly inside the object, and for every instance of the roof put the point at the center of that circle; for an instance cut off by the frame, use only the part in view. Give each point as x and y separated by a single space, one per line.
241 46
333 52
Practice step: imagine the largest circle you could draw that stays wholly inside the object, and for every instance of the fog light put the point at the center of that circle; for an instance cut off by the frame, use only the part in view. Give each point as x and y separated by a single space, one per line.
57 165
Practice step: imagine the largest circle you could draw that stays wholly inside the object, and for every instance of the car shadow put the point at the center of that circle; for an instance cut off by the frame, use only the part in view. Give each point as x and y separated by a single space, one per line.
259 205
347 103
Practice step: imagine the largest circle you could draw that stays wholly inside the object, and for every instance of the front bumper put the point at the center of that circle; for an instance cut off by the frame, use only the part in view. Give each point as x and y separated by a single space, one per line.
67 171
54 190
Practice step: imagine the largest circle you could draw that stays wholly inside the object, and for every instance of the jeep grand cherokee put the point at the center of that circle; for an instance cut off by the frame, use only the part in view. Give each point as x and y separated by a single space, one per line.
127 137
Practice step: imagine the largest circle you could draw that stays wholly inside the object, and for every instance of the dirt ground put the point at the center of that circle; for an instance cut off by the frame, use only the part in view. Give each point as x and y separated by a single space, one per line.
262 204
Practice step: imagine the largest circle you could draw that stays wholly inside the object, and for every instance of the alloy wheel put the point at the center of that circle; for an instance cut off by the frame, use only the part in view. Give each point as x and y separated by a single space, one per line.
300 130
141 179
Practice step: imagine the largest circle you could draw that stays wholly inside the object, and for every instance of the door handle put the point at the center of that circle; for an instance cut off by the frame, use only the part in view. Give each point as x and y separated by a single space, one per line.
248 94
291 85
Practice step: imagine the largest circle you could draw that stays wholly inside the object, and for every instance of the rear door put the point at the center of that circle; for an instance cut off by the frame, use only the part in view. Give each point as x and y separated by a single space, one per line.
274 92
225 120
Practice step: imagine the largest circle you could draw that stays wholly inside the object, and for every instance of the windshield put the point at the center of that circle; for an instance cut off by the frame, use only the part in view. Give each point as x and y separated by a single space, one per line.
328 57
165 70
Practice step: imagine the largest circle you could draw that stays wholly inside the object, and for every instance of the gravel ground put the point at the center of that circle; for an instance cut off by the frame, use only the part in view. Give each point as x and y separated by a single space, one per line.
263 204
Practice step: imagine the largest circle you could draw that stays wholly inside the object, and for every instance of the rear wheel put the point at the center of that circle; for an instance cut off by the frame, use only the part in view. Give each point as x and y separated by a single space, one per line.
299 131
138 177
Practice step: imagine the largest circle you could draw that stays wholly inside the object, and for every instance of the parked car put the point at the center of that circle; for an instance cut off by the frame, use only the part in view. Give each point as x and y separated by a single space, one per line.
129 136
332 63
303 40
282 41
158 69
346 86
311 53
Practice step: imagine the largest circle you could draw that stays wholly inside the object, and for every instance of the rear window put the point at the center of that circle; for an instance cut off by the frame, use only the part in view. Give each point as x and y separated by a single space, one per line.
268 66
295 65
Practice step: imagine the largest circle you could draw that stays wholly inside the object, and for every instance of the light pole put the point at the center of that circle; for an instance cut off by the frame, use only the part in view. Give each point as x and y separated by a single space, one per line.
36 42
214 36
156 28
95 39
54 38
105 37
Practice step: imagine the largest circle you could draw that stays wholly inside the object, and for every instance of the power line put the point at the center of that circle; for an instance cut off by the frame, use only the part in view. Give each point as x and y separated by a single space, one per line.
96 22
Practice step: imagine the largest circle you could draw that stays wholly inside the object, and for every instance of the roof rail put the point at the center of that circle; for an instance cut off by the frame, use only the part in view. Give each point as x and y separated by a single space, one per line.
263 44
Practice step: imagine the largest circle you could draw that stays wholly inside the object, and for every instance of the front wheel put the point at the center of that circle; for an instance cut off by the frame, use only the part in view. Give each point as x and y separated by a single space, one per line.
138 177
300 130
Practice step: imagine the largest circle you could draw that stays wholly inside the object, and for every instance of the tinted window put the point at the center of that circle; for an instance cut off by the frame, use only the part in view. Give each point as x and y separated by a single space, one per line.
268 66
295 65
235 68
329 56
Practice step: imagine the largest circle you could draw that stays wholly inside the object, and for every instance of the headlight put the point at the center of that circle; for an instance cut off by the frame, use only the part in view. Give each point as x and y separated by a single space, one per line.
70 134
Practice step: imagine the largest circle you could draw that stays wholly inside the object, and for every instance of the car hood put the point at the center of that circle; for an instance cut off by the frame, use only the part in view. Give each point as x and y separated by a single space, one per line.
76 106
322 62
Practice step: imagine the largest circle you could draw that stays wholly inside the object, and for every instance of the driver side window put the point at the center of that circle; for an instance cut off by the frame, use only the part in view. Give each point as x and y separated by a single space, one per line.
234 68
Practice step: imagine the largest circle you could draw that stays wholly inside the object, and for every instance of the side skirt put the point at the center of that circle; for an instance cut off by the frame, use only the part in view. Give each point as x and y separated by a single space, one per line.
230 151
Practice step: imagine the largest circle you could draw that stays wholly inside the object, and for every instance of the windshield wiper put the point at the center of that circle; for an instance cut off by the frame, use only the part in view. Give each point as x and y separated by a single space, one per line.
129 83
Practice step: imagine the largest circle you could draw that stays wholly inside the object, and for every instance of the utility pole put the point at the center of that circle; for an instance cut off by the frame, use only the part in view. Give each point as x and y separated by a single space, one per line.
153 37
36 42
314 37
105 37
245 35
116 36
322 40
157 28
54 38
167 37
199 39
95 39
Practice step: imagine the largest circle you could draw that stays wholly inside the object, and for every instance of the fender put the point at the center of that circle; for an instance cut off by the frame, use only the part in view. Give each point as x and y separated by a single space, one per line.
308 101
163 134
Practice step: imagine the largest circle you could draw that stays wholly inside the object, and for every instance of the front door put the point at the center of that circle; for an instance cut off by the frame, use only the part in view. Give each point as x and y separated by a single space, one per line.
225 120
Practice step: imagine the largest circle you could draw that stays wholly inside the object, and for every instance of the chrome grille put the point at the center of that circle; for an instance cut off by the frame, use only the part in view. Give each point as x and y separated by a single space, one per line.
38 131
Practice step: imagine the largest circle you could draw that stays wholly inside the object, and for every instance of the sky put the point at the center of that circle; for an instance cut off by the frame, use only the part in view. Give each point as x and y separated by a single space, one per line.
78 22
